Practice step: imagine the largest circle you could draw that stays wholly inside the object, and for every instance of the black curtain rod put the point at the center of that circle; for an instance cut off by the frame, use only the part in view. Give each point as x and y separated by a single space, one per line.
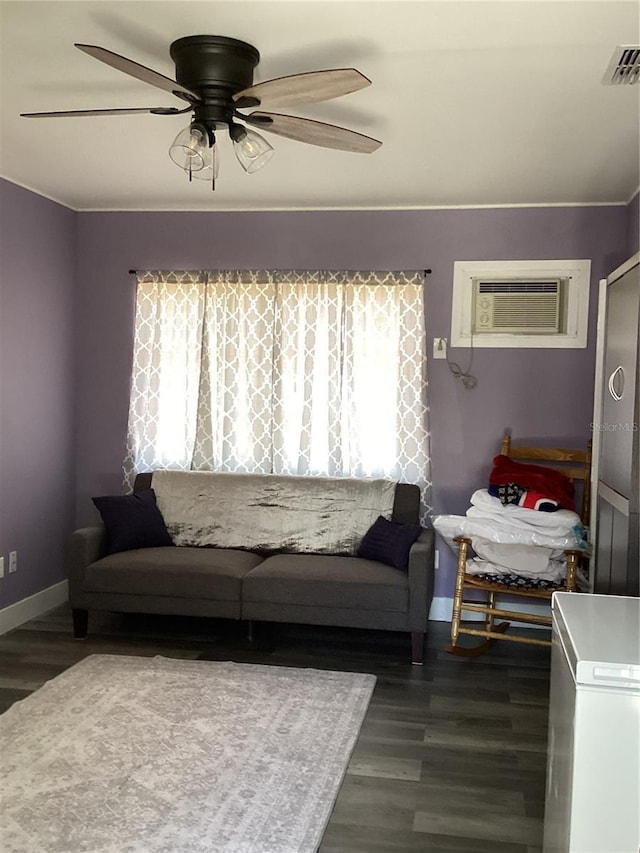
426 272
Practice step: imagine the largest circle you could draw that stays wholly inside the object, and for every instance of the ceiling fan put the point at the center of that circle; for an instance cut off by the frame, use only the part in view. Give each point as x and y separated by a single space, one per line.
214 75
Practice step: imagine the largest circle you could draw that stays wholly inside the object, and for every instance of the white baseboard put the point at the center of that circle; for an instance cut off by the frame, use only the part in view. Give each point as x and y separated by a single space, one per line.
441 612
35 605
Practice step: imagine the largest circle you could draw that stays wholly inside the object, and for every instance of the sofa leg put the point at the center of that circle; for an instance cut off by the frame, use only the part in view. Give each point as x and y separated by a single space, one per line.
80 624
417 648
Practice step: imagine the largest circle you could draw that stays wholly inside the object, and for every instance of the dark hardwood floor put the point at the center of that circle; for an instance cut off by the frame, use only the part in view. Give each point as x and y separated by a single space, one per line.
451 757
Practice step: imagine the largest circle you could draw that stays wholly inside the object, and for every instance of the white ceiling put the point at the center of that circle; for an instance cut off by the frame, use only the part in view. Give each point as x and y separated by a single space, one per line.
477 103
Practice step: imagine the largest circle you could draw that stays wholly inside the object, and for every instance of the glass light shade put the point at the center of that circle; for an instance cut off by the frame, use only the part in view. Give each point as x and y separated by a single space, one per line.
211 165
189 149
252 150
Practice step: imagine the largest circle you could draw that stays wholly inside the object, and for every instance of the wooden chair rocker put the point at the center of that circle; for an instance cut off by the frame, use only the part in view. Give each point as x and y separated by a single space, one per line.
575 464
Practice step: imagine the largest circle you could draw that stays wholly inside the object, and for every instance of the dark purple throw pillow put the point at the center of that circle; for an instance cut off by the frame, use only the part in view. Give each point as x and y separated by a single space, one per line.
132 521
389 542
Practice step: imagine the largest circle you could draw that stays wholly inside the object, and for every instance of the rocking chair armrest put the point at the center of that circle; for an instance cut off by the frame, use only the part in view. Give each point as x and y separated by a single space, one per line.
421 565
463 543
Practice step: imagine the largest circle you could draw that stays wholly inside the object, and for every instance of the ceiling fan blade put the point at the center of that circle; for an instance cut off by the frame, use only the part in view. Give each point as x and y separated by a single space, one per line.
140 72
162 111
314 132
306 88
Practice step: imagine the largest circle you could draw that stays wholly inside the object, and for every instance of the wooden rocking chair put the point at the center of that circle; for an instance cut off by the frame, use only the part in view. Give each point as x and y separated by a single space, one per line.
575 464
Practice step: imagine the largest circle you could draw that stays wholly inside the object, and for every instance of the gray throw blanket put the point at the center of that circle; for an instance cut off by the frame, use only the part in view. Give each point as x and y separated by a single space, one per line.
269 512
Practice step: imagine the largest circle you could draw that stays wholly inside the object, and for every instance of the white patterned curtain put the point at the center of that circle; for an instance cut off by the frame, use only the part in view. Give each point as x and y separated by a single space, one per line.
287 372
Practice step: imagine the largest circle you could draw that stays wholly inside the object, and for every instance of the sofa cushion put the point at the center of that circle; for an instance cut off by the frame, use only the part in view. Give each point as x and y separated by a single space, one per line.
389 542
207 573
321 581
132 521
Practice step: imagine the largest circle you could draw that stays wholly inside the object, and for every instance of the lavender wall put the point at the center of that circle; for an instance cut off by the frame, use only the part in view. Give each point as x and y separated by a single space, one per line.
538 394
633 225
37 264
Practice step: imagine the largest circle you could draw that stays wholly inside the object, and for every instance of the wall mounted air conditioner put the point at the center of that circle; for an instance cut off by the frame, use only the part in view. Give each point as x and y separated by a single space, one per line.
532 304
519 307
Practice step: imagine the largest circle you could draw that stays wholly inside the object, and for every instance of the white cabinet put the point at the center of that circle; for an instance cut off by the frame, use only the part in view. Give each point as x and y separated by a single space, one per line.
593 760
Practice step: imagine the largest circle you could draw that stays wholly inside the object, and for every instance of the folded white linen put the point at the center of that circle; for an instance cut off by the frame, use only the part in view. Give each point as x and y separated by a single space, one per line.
528 560
559 523
497 530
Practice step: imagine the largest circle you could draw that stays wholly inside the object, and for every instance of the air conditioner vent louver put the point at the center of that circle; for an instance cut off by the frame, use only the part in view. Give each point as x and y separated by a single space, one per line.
517 287
624 66
531 307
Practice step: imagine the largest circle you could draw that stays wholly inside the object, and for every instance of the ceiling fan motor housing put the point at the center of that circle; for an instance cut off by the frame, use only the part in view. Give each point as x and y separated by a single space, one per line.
215 68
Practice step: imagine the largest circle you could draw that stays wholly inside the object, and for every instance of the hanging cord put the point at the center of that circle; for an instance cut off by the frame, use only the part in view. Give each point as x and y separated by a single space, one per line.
464 376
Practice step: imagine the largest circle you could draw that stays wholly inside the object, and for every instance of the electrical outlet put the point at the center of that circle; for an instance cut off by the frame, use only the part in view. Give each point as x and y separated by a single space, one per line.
436 559
13 562
439 347
1 567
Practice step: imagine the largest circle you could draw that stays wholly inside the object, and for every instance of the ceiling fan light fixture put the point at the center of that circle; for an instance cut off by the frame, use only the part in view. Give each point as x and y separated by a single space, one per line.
252 150
214 75
189 150
209 171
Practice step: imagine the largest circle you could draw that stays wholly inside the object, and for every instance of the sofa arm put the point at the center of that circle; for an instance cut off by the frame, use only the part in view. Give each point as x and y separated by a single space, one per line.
421 558
83 547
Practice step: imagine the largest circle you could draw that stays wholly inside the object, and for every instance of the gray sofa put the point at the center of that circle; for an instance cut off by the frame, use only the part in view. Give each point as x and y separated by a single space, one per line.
255 584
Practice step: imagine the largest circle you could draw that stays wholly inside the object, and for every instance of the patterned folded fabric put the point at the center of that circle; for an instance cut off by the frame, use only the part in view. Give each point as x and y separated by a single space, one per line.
520 582
512 493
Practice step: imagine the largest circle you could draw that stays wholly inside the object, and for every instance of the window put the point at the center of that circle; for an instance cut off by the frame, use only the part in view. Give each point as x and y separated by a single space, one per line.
280 372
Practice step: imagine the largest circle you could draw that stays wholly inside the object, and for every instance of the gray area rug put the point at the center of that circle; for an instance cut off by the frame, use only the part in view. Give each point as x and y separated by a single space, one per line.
155 755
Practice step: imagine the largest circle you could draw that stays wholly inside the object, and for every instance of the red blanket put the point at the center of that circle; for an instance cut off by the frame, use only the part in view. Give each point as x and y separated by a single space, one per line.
545 481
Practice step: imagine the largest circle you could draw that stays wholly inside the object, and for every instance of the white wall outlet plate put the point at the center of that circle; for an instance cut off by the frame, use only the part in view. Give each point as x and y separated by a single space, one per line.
439 347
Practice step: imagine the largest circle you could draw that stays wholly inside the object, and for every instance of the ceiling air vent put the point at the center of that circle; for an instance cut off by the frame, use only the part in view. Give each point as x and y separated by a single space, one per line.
624 67
519 307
